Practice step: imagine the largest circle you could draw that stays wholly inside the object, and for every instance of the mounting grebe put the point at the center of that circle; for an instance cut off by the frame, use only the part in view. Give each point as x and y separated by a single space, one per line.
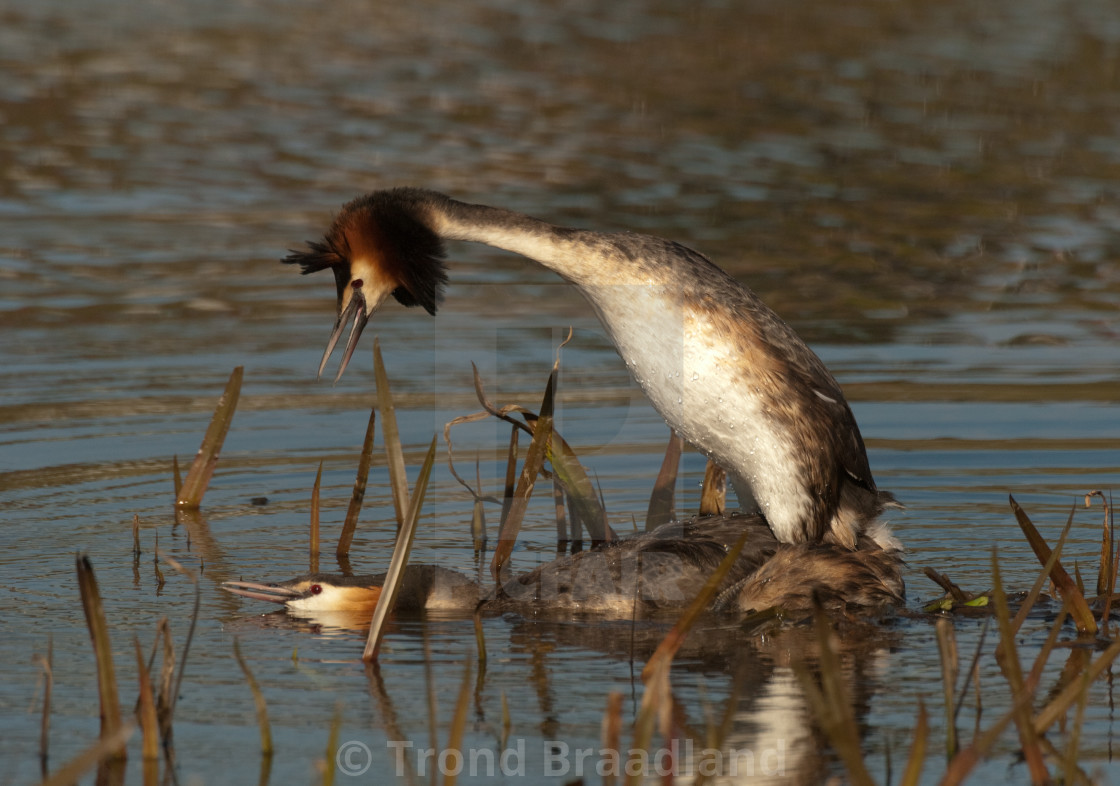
662 570
724 370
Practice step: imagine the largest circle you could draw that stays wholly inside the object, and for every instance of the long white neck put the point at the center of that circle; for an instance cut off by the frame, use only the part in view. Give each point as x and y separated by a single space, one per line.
586 259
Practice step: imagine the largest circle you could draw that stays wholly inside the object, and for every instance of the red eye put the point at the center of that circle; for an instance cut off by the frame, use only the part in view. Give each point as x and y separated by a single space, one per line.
315 589
356 283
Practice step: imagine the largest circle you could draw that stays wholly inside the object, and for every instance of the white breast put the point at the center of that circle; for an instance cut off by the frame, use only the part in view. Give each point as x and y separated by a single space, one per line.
694 378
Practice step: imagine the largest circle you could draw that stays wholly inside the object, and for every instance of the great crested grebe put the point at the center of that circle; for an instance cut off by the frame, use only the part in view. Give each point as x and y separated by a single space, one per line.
720 367
662 570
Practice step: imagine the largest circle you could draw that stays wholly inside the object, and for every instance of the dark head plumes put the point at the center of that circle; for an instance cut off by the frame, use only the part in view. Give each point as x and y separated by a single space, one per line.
379 245
387 228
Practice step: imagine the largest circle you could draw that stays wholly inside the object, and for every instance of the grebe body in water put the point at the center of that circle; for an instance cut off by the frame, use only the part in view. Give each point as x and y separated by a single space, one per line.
659 571
721 368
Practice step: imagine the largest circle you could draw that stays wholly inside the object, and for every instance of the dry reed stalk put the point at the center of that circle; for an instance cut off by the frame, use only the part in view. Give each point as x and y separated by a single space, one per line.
585 505
663 496
965 761
193 488
176 476
395 574
103 653
673 640
459 720
105 748
394 454
611 733
478 512
507 723
1058 706
657 700
480 643
332 746
950 670
534 461
913 772
1036 588
167 674
430 690
1079 609
174 695
314 545
713 494
258 700
46 663
146 708
1009 663
1071 769
511 475
1104 571
973 674
830 702
559 507
350 525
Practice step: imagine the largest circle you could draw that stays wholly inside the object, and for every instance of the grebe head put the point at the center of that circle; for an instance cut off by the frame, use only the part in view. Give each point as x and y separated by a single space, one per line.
315 592
422 586
376 247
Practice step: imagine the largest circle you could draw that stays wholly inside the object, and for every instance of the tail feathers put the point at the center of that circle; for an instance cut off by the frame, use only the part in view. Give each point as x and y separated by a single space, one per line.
801 576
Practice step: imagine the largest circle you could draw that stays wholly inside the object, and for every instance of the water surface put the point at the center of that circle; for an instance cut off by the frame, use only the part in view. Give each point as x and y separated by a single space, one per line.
928 193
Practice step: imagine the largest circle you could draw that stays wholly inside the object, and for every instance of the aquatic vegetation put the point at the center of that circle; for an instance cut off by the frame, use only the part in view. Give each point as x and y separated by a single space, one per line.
823 649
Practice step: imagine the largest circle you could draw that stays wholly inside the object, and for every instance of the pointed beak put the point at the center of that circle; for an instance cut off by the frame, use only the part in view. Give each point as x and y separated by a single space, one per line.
355 313
269 592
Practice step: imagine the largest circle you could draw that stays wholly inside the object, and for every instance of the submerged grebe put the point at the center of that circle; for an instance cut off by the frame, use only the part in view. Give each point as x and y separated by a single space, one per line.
662 570
724 370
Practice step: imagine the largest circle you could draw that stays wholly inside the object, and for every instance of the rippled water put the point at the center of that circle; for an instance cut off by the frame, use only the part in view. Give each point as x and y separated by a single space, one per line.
928 192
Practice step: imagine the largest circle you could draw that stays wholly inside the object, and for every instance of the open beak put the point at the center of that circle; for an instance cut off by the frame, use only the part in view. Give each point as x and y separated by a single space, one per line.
270 592
354 312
